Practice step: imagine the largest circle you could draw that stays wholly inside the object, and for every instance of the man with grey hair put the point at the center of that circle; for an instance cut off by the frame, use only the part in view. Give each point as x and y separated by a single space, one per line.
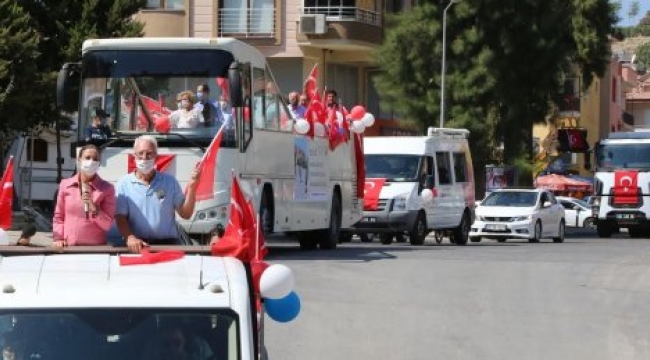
148 200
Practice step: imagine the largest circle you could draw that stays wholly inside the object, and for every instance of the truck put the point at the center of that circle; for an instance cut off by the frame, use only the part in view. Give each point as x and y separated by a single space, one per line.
621 196
400 170
88 303
298 184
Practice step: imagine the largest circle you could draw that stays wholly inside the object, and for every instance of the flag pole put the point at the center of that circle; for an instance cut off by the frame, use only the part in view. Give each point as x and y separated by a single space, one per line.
257 238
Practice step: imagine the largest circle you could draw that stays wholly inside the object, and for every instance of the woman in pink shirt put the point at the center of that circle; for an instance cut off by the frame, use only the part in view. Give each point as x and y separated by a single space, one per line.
85 204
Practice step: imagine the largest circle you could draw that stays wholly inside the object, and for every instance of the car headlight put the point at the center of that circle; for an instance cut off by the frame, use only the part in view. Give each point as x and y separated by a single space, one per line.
523 218
399 203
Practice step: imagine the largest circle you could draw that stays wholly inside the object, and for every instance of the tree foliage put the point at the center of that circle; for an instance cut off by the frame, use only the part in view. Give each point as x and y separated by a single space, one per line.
505 62
643 55
58 28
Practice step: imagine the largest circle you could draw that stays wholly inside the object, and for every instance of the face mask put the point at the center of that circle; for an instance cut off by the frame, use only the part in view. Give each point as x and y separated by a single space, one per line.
88 167
199 95
185 103
144 166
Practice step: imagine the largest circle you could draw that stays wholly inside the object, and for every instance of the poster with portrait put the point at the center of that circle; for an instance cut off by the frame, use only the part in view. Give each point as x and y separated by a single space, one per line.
499 177
310 169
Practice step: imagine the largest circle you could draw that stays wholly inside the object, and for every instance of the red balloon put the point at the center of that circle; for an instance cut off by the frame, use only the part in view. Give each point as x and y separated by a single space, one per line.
257 268
357 112
162 124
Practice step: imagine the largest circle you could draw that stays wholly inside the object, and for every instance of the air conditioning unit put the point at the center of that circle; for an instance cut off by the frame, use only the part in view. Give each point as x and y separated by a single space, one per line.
312 24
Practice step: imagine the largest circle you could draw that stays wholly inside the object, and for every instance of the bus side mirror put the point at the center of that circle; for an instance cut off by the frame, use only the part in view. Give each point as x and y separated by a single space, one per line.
68 84
235 85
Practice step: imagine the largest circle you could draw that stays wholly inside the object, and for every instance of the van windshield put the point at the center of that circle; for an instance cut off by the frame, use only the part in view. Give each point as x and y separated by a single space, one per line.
119 334
392 167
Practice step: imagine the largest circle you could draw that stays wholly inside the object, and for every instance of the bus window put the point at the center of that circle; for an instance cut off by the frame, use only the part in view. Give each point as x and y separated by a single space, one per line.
460 167
259 98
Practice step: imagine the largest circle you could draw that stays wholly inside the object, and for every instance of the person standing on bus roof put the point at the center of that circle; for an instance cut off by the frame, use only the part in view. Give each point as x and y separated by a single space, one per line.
331 98
85 204
208 109
148 200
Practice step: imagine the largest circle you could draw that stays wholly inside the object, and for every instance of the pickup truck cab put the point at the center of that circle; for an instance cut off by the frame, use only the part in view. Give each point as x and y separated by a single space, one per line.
86 304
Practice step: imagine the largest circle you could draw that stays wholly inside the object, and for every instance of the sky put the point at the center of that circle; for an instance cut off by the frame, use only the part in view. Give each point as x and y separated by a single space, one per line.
644 7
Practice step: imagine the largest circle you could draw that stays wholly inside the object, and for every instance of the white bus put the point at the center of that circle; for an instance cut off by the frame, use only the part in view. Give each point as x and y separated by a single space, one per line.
298 184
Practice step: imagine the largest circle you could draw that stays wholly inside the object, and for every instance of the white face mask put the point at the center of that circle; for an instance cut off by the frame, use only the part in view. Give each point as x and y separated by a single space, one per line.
88 167
145 166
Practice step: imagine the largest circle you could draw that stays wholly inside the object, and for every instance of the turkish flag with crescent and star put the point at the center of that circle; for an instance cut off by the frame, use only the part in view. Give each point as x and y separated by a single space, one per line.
626 189
162 162
371 193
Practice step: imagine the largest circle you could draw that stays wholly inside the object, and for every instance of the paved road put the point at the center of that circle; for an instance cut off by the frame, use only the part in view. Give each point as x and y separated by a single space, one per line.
588 298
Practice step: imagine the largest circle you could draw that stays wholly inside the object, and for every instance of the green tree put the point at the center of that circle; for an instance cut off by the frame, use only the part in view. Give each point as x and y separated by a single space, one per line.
643 55
504 64
643 28
60 27
18 57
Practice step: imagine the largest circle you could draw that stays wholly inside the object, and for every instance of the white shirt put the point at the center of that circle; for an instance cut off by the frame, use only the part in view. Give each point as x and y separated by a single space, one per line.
186 119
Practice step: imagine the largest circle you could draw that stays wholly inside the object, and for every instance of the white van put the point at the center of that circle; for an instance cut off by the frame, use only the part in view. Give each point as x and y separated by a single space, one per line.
398 169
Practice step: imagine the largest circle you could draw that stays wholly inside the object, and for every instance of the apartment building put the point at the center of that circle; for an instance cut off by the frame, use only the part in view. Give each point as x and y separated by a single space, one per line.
294 35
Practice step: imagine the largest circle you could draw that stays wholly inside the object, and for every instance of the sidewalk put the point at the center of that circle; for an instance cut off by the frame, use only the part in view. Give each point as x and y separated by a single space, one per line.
40 239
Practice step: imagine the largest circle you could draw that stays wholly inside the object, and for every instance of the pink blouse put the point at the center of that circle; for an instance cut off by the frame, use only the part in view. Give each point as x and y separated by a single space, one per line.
70 223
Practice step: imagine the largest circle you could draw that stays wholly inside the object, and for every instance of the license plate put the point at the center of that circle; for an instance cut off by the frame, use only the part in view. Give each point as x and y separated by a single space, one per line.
369 219
625 216
497 227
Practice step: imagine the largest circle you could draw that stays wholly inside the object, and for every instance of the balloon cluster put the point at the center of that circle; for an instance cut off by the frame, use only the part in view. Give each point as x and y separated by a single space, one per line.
358 119
275 285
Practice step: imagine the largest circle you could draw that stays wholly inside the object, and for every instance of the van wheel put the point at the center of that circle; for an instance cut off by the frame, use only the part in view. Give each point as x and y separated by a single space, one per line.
461 233
603 229
386 238
329 238
419 231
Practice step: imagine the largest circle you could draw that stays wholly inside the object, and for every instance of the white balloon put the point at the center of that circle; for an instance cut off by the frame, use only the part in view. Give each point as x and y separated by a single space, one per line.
4 238
276 282
358 126
319 129
302 126
426 195
368 119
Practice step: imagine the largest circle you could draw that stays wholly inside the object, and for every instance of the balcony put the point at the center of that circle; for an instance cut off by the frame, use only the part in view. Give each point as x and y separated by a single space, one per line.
246 23
346 28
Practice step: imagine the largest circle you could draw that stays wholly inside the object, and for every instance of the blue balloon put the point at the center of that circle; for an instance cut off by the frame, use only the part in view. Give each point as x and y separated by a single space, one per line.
285 309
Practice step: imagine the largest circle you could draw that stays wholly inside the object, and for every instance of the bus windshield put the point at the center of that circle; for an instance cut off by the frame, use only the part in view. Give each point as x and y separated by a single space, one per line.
119 334
392 167
143 91
623 156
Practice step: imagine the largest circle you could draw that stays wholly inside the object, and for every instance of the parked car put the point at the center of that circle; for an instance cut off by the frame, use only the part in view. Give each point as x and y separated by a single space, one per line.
577 213
530 214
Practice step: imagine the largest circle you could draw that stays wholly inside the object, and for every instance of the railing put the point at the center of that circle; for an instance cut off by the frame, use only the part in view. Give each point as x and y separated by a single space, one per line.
345 13
247 23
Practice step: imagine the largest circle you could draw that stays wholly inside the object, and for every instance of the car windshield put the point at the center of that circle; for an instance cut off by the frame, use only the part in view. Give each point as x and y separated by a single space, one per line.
392 167
119 334
511 198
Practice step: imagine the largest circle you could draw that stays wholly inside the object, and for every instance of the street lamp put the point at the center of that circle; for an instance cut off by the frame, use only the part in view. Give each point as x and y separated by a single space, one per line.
442 71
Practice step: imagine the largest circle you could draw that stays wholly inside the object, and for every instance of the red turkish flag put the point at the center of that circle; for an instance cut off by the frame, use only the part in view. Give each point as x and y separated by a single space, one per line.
243 238
626 189
146 257
372 189
361 165
207 167
310 88
162 162
223 84
7 194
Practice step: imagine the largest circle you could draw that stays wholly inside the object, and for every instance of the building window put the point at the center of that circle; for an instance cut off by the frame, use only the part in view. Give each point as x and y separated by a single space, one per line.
40 150
166 4
247 18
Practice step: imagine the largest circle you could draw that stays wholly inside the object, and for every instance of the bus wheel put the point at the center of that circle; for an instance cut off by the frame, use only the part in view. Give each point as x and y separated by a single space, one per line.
329 238
266 211
307 240
419 231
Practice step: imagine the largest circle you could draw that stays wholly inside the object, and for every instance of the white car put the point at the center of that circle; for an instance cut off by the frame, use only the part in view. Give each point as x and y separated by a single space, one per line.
530 214
577 213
